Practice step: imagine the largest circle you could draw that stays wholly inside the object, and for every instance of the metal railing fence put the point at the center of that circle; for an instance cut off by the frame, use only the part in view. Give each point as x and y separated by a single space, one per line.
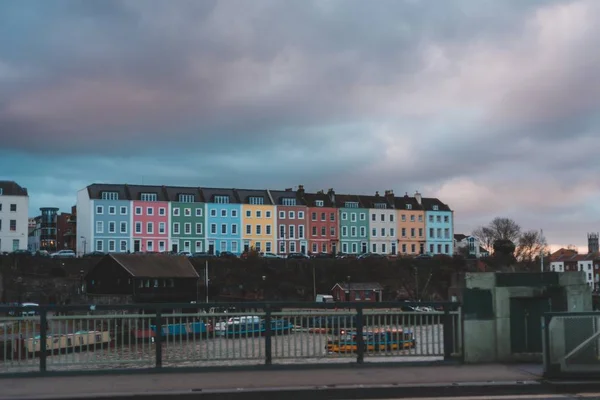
79 338
571 344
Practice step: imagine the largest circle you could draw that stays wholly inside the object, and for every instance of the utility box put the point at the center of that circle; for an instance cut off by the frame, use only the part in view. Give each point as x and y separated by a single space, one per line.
502 312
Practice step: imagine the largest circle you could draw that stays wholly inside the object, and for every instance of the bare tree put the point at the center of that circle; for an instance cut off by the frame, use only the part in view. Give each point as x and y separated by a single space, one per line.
530 245
498 229
486 237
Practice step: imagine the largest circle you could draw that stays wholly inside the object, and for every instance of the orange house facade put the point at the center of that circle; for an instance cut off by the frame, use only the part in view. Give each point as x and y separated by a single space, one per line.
411 226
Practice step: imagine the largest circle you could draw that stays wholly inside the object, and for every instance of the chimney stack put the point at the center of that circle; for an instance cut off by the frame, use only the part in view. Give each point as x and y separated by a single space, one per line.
418 197
331 194
377 193
300 190
389 195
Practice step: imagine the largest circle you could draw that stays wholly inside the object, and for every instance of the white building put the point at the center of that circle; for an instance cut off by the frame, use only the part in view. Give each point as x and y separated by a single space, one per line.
14 217
464 243
570 262
383 235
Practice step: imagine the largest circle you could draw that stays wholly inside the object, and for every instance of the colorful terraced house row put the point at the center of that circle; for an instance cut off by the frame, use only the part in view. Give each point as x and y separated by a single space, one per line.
132 218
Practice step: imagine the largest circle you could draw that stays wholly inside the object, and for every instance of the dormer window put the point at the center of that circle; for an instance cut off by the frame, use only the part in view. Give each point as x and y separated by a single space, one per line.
1 191
187 198
149 197
319 203
108 195
409 206
351 204
436 208
288 202
222 199
256 200
381 205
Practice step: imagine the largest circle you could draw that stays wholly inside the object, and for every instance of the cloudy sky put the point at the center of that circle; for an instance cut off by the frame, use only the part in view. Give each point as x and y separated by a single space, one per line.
492 106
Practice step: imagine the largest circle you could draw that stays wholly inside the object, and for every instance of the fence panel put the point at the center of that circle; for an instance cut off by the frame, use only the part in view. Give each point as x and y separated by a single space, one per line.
83 338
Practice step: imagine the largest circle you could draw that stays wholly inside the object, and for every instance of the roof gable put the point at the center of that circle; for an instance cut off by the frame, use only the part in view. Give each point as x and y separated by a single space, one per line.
358 286
155 265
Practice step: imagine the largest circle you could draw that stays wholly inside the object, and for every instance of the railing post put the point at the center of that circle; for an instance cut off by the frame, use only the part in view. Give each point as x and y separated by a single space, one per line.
268 336
360 339
158 338
43 339
448 327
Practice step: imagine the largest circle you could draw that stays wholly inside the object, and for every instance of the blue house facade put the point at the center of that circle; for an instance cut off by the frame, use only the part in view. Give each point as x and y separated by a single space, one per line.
223 221
439 227
111 226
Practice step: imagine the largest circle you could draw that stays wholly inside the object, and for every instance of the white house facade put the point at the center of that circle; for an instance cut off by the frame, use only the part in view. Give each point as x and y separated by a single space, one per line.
383 237
14 217
468 243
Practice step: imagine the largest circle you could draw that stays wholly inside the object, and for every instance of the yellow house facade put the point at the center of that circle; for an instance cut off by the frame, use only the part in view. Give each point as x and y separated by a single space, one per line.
258 221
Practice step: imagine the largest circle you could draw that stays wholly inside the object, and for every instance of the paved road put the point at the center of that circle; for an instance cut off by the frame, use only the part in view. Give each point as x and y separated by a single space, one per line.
525 397
272 380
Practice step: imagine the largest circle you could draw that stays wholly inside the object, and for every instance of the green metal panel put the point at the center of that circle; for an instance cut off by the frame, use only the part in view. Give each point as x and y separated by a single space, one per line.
526 279
525 323
478 304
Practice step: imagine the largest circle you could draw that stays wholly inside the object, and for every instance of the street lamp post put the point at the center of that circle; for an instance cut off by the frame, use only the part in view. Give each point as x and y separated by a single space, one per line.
84 244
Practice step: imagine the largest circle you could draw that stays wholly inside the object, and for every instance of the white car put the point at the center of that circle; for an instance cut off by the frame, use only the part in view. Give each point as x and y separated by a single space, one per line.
63 254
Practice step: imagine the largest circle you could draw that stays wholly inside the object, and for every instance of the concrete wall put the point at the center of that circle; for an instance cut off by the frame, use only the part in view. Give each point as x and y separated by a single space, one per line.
487 336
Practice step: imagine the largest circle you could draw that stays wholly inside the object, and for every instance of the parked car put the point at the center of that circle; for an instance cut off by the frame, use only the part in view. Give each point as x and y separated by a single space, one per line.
202 254
371 255
227 254
63 254
184 253
42 253
95 254
297 256
269 255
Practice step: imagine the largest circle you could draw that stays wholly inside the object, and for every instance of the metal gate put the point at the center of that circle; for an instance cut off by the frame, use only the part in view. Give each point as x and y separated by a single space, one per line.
571 344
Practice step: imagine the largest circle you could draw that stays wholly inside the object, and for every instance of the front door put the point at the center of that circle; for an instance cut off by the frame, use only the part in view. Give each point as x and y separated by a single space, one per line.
363 248
303 248
525 323
175 247
136 245
334 249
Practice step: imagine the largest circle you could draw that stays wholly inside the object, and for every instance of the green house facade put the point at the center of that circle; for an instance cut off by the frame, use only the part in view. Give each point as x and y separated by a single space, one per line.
354 224
187 219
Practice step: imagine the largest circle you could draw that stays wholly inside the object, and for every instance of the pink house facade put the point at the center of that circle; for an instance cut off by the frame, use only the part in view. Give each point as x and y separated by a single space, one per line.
150 226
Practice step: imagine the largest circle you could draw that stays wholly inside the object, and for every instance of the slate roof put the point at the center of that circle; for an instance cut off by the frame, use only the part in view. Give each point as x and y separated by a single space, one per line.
173 193
209 194
135 192
245 194
370 201
429 202
155 265
310 199
359 286
279 195
401 202
12 188
460 237
95 190
341 199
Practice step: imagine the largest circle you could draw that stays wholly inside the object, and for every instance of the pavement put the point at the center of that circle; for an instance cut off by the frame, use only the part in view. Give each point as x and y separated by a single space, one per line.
359 382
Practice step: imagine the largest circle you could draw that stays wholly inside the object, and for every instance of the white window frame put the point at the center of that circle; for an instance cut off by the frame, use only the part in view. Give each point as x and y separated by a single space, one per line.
99 245
123 246
138 224
122 225
198 212
138 210
123 210
99 210
224 213
112 245
112 210
162 211
149 210
161 227
281 214
300 214
176 228
187 228
150 228
113 225
198 228
99 226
